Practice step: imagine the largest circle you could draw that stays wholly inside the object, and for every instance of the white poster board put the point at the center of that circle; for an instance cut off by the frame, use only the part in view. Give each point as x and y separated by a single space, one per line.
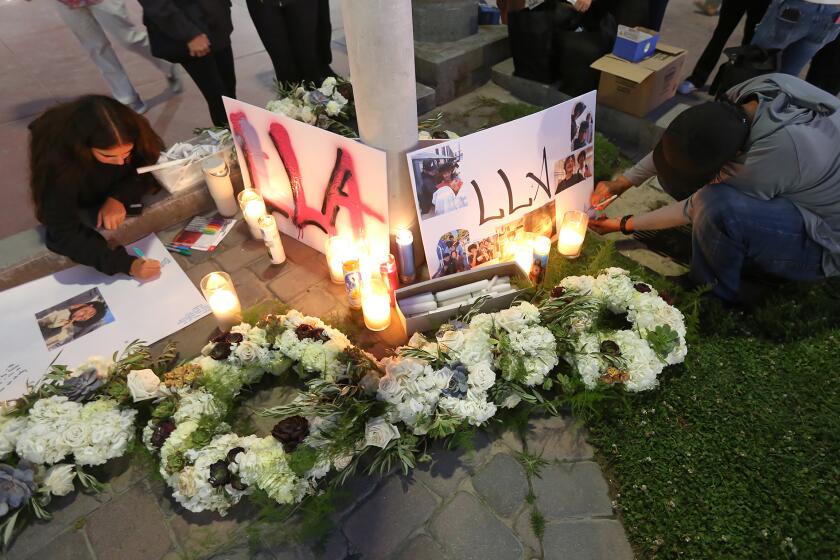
316 182
80 312
478 193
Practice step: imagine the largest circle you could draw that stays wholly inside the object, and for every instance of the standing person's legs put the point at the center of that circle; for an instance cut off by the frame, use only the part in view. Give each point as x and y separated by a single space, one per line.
93 39
270 22
731 12
755 11
657 13
204 71
302 20
113 17
821 31
731 230
824 71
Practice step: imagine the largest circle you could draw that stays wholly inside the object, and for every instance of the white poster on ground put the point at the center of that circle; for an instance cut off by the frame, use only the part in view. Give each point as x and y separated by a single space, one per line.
316 182
477 195
80 312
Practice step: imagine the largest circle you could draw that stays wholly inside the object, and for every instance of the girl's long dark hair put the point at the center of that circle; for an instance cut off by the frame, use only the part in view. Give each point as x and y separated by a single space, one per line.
61 139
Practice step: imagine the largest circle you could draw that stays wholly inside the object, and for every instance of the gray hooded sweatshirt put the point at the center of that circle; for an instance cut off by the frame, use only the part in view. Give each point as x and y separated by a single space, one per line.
793 151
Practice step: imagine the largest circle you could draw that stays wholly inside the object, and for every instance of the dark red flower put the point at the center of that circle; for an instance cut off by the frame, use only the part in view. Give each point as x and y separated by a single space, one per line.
231 455
219 474
558 291
162 432
291 432
308 331
220 351
610 348
642 288
237 484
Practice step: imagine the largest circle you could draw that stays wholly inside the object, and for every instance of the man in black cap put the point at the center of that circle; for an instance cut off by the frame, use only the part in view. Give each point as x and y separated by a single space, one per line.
758 176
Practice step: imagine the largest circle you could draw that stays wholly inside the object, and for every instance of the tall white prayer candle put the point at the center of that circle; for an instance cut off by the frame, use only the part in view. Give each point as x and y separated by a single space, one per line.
220 294
405 255
542 247
524 255
271 236
253 208
572 233
217 177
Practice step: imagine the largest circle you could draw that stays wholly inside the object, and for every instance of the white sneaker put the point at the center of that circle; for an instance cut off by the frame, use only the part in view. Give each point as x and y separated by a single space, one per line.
173 81
686 88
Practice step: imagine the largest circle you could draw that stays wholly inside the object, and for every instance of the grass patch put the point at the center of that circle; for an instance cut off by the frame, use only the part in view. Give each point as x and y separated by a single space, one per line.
735 454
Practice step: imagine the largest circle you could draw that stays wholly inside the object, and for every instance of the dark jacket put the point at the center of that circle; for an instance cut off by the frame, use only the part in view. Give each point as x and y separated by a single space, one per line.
174 23
62 213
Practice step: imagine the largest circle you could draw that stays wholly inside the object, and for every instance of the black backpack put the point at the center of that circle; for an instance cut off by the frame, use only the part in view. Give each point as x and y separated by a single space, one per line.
745 62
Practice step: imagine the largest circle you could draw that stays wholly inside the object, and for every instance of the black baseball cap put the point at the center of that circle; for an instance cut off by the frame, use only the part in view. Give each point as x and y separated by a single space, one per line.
697 144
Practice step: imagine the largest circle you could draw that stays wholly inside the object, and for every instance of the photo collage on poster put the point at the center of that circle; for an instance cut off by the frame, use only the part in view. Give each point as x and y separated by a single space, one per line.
480 195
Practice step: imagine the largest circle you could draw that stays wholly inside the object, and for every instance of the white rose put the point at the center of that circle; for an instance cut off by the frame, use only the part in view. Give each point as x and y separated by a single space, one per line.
378 432
341 463
75 435
186 481
389 389
59 480
482 377
143 384
424 135
247 352
370 383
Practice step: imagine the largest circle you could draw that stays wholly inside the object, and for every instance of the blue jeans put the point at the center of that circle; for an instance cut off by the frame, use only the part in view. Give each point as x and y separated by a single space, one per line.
732 231
799 37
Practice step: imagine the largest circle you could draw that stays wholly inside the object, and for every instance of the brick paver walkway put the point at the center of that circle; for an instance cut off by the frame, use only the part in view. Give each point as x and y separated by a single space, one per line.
461 505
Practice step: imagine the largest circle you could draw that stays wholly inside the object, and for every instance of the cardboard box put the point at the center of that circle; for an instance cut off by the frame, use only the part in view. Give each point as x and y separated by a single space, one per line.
635 43
433 319
637 88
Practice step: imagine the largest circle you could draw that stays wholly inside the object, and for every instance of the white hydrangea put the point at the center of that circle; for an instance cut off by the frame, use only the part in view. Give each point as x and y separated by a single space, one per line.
10 429
475 411
110 431
196 405
581 285
264 465
643 366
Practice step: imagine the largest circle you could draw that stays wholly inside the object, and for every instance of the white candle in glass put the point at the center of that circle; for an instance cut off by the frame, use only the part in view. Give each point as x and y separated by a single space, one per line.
524 255
217 177
376 305
339 249
253 208
572 233
220 294
405 256
271 236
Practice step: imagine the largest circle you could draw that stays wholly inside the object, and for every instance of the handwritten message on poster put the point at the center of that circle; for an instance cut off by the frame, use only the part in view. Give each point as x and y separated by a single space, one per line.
477 194
316 183
79 312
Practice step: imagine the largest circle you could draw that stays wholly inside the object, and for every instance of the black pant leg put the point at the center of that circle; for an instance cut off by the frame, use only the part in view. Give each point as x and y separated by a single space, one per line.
825 68
204 71
304 39
272 27
225 64
731 12
324 32
755 11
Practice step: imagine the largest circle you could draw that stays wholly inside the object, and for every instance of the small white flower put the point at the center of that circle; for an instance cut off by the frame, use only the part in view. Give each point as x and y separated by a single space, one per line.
58 480
102 367
333 108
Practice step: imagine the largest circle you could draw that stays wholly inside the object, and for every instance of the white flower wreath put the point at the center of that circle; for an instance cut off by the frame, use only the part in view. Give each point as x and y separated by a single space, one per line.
655 338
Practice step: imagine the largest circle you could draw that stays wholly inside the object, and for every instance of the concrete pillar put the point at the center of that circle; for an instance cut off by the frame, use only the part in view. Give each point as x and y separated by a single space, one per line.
380 45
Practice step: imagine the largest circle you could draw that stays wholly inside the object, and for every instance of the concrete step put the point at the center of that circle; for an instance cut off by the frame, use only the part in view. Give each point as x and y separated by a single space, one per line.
24 257
426 99
457 67
635 136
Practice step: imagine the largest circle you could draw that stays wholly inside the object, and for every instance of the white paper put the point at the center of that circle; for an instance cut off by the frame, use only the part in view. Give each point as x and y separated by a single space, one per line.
319 164
469 217
146 311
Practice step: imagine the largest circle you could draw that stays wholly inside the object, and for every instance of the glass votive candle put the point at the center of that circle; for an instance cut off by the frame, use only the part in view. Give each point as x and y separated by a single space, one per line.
253 208
376 305
339 249
542 247
572 233
405 255
220 294
388 272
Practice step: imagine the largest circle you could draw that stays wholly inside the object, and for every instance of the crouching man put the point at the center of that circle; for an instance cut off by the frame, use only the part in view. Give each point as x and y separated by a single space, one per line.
757 174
